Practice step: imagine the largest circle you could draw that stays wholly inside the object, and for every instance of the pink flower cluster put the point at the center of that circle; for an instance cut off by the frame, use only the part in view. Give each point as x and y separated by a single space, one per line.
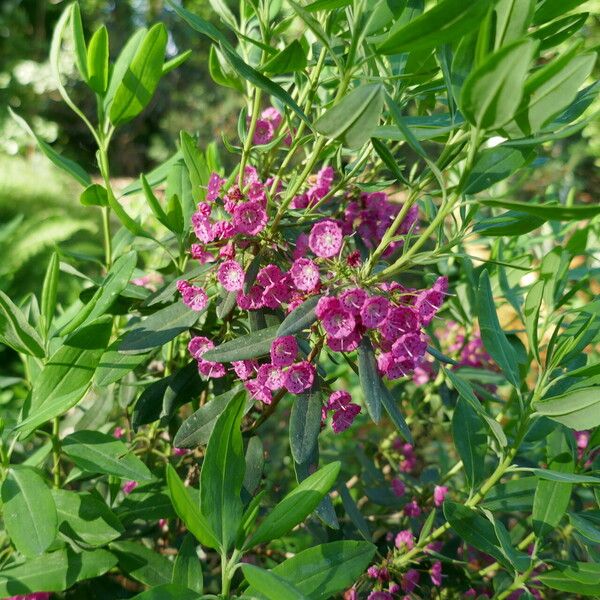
393 322
343 409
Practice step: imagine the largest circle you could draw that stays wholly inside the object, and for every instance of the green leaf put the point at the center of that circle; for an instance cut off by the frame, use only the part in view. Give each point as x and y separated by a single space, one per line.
49 292
564 581
474 529
94 195
549 212
141 77
560 477
114 365
353 512
578 409
510 223
158 329
79 40
547 10
255 462
496 164
322 571
447 21
197 428
245 347
492 92
54 572
393 411
290 59
305 424
29 511
588 528
175 62
493 337
168 591
196 165
147 502
66 164
66 376
513 17
531 311
471 441
85 518
97 452
222 474
353 119
220 71
270 585
189 511
513 495
187 570
327 5
97 61
560 30
143 564
552 497
300 318
296 506
370 380
16 332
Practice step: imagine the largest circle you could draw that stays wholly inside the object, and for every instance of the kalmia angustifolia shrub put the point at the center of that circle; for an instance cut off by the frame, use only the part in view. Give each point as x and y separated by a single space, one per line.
330 355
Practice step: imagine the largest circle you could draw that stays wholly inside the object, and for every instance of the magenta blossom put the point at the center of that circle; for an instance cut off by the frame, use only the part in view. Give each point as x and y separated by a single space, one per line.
305 274
193 296
325 239
436 573
405 540
249 217
299 377
129 486
439 494
231 275
284 351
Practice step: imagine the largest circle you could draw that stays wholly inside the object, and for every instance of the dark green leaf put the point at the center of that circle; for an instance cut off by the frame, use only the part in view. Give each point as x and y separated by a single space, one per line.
549 212
49 292
305 424
588 528
97 452
187 570
16 332
29 511
255 461
245 347
290 59
168 591
114 365
393 410
300 318
510 223
158 329
531 311
270 585
470 439
143 564
370 380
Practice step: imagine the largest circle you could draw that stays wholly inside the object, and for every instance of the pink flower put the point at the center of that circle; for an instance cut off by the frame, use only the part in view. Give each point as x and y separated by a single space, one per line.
373 572
227 251
410 580
34 596
325 177
200 253
409 346
353 300
193 296
272 114
249 217
338 323
325 239
258 391
344 416
231 276
305 274
270 377
346 344
263 132
353 259
412 509
203 227
299 377
284 351
439 494
245 369
404 540
429 301
398 487
380 595
399 320
394 588
393 368
129 486
338 399
197 347
215 183
436 573
118 432
223 230
301 246
180 451
374 311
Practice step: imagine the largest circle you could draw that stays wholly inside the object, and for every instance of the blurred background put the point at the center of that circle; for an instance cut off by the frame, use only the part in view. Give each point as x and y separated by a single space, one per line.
39 206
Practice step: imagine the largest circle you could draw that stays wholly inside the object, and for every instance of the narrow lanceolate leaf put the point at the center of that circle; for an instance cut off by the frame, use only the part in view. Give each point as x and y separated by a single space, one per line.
158 329
552 497
493 91
296 506
168 591
290 59
578 409
493 337
245 347
97 452
223 474
97 61
270 585
470 439
513 17
143 564
55 571
305 424
392 407
141 77
29 511
300 318
16 332
550 212
354 118
66 164
66 376
187 570
322 571
370 380
189 511
510 223
531 310
447 21
49 291
196 165
114 365
79 40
